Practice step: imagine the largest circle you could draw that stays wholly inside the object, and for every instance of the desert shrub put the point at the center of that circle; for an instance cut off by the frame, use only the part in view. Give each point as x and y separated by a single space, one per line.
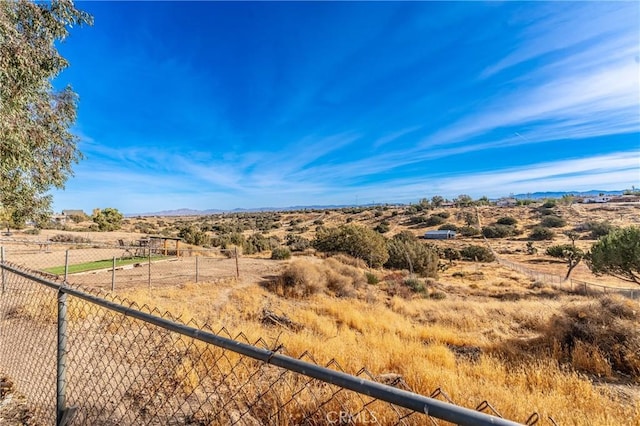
357 241
32 231
469 231
257 243
372 279
416 285
194 235
598 336
451 253
303 278
549 204
552 221
448 227
498 231
599 229
382 227
318 222
350 260
280 253
540 233
69 238
434 220
546 212
226 240
297 242
477 253
507 220
407 252
444 215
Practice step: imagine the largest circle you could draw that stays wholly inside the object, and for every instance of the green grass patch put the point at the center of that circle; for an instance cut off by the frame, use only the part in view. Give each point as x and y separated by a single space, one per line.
99 264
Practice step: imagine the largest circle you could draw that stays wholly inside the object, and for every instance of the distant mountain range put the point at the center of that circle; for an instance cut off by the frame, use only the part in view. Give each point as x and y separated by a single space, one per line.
537 195
192 212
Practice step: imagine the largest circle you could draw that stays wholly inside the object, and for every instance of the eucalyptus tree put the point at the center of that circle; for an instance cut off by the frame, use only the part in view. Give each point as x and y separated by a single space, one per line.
37 146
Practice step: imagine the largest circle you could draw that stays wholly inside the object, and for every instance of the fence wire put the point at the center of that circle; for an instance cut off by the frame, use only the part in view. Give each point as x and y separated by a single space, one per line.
121 364
124 266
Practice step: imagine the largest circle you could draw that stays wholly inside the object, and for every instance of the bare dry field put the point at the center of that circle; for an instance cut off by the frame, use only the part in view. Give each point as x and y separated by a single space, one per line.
481 331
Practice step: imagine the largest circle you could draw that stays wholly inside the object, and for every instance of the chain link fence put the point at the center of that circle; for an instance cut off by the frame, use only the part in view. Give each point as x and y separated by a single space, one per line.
572 285
124 265
87 357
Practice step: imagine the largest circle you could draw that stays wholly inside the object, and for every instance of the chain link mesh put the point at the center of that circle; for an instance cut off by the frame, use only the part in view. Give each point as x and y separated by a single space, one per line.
121 370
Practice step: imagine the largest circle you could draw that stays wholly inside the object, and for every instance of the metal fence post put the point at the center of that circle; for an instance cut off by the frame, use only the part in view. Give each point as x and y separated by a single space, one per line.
2 267
237 267
62 415
197 268
113 275
149 277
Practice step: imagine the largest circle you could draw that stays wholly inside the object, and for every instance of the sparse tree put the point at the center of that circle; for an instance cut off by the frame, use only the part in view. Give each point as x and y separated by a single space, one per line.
37 148
357 241
617 254
109 219
571 254
437 200
464 200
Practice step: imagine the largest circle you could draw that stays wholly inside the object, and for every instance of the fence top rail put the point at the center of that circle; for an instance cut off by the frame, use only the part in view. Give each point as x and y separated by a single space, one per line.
418 403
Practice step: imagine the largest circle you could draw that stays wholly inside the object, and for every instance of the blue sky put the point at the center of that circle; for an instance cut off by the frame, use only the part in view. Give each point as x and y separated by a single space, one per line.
223 105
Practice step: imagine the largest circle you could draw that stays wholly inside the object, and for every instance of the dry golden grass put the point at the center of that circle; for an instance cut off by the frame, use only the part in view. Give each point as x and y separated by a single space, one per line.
426 340
514 328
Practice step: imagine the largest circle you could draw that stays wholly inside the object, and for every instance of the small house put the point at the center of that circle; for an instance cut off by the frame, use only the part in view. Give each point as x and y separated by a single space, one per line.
445 234
507 202
598 199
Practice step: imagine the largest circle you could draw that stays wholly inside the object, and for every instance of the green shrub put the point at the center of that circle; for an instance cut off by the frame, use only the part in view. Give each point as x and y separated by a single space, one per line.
549 204
416 285
434 220
69 238
469 231
599 229
451 253
477 253
382 227
280 253
357 241
507 220
448 227
32 231
407 252
540 233
444 215
372 278
553 222
194 235
498 231
297 242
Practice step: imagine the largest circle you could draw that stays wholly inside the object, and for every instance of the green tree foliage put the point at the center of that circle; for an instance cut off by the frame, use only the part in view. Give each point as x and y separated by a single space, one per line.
617 254
437 200
297 242
464 200
567 252
194 235
407 252
553 222
109 219
357 241
37 148
477 254
507 220
540 233
498 231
